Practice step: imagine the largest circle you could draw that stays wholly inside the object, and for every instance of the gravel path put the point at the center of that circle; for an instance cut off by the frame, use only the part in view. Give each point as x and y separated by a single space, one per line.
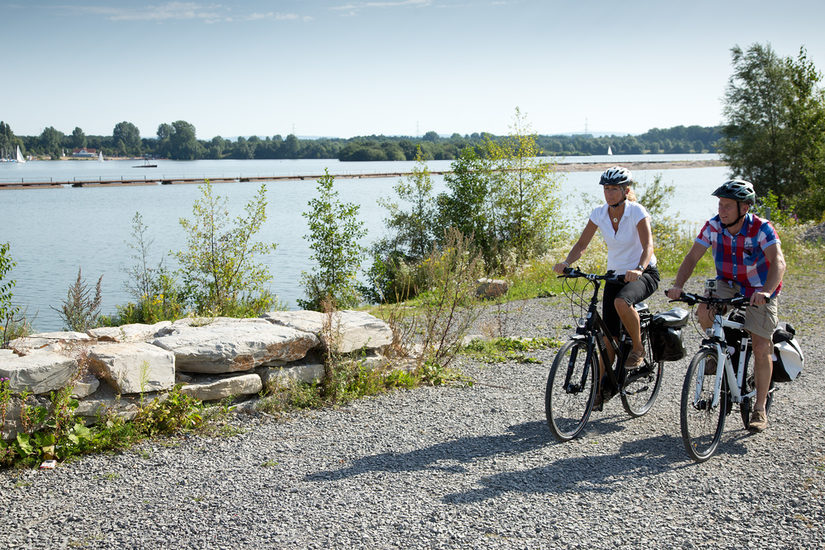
457 467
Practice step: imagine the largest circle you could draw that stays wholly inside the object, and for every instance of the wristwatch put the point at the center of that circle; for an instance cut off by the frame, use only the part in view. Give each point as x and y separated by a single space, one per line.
640 267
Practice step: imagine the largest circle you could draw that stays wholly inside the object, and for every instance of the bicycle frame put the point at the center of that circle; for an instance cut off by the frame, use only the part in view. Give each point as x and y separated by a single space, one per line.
734 377
593 331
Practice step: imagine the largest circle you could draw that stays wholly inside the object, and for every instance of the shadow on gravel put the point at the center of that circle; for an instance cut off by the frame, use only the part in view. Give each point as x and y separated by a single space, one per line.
520 439
591 473
594 473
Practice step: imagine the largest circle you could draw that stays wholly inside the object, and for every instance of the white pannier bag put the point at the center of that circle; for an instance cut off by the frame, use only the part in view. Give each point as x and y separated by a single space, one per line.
788 359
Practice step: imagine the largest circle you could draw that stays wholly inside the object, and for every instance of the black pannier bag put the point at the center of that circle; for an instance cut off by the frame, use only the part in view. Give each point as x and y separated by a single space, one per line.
787 354
666 334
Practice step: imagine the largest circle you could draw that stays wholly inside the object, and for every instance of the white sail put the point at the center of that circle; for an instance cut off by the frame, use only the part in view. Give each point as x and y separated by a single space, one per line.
20 155
100 156
609 150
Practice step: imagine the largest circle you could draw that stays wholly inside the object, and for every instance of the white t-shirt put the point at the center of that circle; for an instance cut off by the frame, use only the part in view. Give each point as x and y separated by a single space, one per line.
623 246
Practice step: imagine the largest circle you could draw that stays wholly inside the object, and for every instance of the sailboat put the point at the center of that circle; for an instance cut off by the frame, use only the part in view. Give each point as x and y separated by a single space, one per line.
20 155
609 150
100 156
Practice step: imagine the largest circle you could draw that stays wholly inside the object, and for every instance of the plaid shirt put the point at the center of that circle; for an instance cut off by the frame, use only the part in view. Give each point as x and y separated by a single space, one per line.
741 258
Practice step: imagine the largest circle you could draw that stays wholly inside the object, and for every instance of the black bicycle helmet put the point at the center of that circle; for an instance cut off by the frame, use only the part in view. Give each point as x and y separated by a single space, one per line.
738 190
616 176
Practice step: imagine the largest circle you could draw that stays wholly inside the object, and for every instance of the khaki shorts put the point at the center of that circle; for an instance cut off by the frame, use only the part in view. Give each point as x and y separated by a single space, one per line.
759 320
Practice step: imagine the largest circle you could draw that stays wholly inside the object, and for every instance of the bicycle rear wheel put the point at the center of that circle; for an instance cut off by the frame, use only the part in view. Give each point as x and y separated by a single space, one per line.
571 389
702 422
749 385
641 386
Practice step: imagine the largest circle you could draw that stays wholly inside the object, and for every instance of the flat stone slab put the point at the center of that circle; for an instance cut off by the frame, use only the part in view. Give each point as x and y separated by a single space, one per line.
213 389
38 372
134 367
135 332
346 331
234 345
49 341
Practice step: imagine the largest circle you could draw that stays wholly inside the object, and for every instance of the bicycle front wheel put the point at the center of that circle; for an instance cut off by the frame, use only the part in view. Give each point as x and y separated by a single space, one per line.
641 386
702 422
571 389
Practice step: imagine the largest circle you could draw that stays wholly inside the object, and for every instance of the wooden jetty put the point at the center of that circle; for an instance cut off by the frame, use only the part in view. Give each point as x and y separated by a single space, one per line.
169 180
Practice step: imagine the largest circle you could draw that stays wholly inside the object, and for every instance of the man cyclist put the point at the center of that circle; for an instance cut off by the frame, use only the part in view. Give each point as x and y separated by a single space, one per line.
749 261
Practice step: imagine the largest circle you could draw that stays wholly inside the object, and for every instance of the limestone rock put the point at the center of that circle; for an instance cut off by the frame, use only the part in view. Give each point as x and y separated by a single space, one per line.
105 401
348 330
213 389
134 367
135 332
49 341
492 288
38 372
234 345
303 371
85 386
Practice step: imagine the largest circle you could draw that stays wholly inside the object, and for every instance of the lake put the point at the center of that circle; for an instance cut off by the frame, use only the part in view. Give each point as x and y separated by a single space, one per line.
52 232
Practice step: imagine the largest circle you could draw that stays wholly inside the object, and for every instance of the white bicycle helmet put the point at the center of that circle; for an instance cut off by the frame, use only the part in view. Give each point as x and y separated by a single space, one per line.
616 176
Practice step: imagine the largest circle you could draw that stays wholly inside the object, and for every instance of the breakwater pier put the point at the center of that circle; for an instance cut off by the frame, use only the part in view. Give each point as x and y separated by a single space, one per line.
161 179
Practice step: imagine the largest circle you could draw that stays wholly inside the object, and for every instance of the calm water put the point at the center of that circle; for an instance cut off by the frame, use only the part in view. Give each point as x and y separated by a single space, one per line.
52 232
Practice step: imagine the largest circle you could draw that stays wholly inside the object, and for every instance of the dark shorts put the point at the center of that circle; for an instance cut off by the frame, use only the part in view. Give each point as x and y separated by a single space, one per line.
632 293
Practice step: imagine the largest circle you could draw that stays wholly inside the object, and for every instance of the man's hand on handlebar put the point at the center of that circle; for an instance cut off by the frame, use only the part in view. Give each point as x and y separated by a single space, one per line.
760 298
674 292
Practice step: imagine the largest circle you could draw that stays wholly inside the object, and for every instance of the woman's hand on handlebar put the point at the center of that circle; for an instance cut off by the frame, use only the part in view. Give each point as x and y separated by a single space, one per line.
632 275
560 267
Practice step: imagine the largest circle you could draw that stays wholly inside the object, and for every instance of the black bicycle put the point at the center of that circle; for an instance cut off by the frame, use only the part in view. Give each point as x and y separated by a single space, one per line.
573 384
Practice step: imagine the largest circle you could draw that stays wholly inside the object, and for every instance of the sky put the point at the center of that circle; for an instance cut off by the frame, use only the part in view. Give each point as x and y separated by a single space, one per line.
344 68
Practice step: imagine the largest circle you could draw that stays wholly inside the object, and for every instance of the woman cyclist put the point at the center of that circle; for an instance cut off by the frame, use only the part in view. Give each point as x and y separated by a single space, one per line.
625 226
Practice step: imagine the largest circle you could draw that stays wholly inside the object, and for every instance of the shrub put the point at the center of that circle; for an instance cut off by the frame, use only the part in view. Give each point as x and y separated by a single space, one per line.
220 276
334 232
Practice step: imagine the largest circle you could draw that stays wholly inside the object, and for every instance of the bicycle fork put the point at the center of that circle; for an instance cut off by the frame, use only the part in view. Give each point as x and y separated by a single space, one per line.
730 374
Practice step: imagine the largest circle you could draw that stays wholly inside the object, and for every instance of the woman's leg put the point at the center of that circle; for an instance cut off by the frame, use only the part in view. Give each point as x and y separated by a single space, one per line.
630 294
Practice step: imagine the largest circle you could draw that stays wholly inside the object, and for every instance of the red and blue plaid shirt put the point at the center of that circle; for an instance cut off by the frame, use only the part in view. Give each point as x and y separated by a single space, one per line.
741 258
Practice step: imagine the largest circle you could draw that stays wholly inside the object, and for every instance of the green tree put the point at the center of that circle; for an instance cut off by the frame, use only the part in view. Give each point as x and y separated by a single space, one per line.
78 139
50 142
504 198
470 206
775 130
128 134
183 144
411 236
526 190
218 267
334 232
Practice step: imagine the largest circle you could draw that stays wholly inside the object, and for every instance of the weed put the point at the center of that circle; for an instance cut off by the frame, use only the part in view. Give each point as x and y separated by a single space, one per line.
81 308
500 350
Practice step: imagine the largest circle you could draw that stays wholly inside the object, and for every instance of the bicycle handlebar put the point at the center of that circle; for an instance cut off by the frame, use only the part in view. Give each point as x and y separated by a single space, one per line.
574 272
691 299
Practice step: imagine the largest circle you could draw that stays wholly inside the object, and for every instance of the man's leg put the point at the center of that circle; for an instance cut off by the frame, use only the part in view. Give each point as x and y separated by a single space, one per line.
763 369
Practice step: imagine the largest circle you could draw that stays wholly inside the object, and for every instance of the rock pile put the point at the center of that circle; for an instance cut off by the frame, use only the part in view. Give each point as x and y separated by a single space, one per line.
111 368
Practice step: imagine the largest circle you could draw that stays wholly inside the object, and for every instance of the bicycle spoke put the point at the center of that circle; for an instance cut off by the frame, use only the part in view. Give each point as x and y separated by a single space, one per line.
571 390
702 422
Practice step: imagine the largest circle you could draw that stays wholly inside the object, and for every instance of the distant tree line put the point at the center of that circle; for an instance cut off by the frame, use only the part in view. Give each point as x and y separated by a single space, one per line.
178 141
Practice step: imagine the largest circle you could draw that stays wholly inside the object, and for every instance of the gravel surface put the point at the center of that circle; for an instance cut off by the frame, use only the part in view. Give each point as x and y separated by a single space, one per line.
456 467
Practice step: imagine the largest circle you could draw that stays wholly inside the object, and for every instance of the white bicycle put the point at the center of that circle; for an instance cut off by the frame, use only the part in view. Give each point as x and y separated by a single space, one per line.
708 393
